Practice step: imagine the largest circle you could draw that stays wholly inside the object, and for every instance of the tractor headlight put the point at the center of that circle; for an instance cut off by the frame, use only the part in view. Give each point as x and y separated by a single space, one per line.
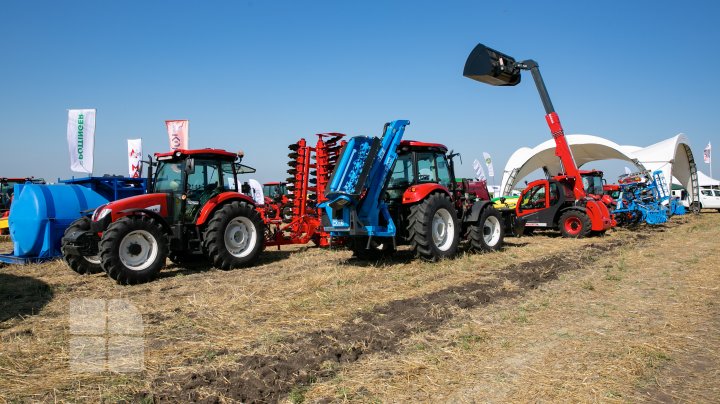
100 213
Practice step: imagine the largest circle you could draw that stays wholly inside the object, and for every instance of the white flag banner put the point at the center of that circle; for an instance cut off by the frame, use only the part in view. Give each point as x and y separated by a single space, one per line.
134 156
479 171
178 134
81 139
706 154
488 162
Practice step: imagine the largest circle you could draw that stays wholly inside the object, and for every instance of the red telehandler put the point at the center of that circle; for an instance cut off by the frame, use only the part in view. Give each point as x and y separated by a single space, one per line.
558 202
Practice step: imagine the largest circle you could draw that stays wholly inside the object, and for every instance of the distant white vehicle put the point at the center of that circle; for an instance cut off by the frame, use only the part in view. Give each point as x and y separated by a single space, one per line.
709 198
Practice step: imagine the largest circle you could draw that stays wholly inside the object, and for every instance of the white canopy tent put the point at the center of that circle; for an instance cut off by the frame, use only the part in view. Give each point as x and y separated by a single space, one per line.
673 156
706 181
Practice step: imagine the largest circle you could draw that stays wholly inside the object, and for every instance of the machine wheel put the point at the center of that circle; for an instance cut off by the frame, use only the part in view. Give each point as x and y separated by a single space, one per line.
574 224
235 236
695 207
286 212
432 228
80 263
133 249
488 233
380 247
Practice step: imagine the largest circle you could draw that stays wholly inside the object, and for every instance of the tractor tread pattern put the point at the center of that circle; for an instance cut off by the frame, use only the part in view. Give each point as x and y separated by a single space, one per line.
214 236
110 246
477 237
420 227
77 262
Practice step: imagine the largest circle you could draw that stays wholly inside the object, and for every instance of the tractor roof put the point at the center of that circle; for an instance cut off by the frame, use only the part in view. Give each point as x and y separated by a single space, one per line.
210 153
413 144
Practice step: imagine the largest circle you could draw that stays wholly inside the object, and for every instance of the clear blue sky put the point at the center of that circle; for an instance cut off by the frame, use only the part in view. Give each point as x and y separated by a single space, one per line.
258 75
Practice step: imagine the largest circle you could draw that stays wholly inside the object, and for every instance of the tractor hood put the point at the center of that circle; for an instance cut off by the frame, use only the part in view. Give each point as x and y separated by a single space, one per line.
156 203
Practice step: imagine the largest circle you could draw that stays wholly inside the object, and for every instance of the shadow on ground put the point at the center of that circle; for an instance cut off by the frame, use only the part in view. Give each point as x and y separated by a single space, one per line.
22 296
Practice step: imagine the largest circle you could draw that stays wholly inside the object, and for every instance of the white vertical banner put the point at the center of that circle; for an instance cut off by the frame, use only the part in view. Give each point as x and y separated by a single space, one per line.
178 133
707 153
479 171
134 157
81 139
488 162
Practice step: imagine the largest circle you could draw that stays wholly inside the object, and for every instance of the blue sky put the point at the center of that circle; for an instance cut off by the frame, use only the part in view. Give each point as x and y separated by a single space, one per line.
258 75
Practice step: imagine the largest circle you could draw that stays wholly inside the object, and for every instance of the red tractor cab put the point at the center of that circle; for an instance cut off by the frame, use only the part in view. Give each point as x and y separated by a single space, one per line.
193 209
277 201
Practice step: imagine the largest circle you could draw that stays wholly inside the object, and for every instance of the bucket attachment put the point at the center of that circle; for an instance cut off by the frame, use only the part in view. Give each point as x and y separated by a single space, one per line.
491 67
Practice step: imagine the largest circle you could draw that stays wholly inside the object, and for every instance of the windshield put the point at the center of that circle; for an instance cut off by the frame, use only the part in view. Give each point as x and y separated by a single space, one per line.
169 177
593 184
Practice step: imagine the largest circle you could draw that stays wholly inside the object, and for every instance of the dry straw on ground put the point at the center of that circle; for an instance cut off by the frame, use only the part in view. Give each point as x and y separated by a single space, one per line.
629 316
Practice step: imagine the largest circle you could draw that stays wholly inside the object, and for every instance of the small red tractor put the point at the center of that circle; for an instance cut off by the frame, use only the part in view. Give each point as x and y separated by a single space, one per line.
193 209
559 202
310 169
277 201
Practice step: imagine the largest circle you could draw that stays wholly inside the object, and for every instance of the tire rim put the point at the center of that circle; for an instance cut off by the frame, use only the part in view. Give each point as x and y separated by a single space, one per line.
240 237
491 231
443 229
138 250
93 259
573 225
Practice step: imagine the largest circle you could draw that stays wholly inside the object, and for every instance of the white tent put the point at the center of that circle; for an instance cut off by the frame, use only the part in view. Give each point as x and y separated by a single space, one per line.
706 181
673 156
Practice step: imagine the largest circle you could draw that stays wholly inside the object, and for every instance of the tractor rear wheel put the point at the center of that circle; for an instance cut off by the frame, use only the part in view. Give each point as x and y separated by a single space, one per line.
488 233
380 247
235 236
79 263
133 249
574 224
432 228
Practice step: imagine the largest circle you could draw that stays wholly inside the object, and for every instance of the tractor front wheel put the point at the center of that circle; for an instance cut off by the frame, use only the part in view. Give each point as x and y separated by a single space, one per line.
488 233
79 263
574 224
235 236
432 228
133 249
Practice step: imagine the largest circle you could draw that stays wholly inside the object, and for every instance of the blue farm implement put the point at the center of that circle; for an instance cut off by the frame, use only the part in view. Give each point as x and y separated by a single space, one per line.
40 214
387 191
644 198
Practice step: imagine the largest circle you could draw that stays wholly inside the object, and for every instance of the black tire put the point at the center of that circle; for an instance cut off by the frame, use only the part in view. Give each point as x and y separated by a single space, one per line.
488 233
124 245
245 226
574 224
286 212
420 228
695 207
380 247
79 263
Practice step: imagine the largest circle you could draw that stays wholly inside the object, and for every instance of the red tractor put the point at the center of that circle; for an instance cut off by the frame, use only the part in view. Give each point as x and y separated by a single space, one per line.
560 201
277 201
193 209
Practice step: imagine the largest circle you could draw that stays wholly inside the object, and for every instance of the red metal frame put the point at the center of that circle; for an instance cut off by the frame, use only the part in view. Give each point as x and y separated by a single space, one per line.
306 225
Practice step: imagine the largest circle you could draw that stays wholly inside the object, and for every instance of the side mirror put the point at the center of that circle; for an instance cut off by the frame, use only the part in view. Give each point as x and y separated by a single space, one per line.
190 166
491 67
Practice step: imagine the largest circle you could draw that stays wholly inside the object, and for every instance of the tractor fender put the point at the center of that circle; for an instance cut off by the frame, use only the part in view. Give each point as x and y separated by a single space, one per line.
417 193
600 218
476 210
560 212
141 212
217 201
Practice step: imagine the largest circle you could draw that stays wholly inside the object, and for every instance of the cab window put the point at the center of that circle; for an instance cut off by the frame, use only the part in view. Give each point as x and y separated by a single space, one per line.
707 192
402 173
427 167
443 171
229 182
534 198
554 193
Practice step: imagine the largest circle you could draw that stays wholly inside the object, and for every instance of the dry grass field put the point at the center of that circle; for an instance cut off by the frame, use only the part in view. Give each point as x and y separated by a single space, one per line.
631 316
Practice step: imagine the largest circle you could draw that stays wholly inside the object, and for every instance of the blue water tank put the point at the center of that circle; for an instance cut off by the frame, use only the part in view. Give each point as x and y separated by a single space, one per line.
40 214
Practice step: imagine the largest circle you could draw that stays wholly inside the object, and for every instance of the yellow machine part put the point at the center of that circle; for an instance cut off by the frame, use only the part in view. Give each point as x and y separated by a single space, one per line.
510 203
